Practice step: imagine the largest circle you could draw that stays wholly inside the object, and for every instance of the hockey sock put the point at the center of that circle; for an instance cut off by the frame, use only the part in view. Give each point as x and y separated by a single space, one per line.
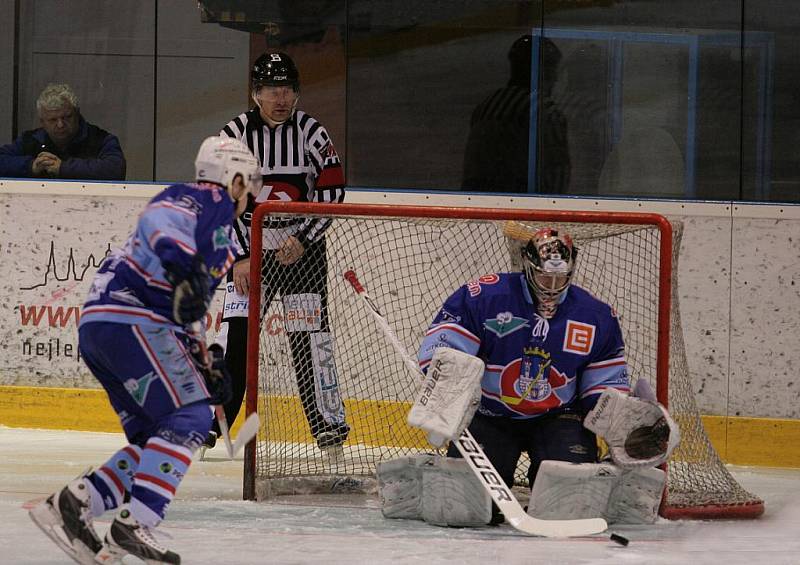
163 466
113 479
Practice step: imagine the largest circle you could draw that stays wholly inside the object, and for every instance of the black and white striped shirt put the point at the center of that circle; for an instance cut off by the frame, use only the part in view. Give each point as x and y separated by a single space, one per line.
298 163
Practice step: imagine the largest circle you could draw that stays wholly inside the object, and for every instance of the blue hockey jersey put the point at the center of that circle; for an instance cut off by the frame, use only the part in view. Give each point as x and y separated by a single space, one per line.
533 365
181 221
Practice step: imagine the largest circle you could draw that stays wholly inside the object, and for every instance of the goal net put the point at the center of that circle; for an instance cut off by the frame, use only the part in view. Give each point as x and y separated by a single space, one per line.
410 259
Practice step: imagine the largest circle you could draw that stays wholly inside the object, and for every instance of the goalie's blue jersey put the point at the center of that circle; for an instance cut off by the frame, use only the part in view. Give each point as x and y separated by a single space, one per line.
179 222
533 365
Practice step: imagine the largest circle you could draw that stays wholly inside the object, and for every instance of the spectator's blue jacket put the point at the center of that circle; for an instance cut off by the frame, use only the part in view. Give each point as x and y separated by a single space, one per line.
94 154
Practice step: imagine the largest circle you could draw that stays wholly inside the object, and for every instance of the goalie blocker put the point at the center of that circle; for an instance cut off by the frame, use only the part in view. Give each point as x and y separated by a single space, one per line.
449 395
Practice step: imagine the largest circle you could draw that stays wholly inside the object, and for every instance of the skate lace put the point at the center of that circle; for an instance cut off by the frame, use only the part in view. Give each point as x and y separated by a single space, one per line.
85 511
88 520
148 536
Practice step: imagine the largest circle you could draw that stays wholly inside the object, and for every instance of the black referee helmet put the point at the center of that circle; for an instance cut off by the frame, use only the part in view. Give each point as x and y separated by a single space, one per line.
274 69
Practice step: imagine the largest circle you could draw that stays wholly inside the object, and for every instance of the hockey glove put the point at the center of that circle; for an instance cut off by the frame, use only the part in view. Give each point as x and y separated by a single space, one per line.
190 298
639 431
218 379
211 364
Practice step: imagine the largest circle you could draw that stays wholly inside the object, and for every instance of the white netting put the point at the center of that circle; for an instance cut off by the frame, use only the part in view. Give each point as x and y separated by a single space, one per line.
409 266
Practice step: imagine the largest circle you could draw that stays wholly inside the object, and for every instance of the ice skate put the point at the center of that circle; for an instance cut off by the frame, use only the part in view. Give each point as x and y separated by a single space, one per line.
128 541
208 443
330 443
66 519
333 437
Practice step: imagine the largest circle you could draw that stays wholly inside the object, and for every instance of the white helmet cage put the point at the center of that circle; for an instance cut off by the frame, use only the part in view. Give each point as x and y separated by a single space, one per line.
549 263
220 159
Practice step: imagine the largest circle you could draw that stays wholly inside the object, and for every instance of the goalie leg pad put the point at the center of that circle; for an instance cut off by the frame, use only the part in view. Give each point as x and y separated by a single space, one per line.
449 395
639 433
400 486
636 496
453 496
572 491
439 490
569 491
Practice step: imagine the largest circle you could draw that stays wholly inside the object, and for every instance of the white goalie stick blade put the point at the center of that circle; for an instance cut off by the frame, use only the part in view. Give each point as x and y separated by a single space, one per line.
480 465
247 432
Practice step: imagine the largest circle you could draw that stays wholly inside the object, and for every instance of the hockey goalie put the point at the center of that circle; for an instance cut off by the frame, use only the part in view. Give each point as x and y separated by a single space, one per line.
532 363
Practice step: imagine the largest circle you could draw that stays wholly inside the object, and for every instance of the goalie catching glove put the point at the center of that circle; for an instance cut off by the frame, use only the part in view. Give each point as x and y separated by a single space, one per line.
449 395
190 297
639 431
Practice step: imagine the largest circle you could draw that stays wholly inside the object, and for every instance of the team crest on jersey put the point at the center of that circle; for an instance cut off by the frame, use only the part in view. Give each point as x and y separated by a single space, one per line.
578 337
138 388
505 323
529 385
221 237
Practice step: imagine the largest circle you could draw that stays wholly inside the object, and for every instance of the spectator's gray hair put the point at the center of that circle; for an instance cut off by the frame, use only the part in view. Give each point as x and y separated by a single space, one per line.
55 96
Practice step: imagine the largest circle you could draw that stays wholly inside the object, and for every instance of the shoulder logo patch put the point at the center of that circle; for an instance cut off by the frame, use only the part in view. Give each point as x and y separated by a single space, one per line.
578 338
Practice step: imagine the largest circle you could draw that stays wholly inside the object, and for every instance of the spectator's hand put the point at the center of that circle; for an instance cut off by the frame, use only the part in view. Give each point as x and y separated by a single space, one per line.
241 277
43 163
53 165
289 251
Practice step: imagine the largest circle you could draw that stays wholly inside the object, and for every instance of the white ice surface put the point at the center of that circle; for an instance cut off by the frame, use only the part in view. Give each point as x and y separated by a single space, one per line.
209 523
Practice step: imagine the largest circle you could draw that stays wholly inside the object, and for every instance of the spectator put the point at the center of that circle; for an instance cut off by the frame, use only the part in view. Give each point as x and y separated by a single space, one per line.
66 146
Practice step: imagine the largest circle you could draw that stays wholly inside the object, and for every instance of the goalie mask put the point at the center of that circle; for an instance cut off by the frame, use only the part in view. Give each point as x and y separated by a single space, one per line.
221 159
549 262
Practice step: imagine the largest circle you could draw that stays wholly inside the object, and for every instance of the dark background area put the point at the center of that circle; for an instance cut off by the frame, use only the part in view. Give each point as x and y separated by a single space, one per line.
396 84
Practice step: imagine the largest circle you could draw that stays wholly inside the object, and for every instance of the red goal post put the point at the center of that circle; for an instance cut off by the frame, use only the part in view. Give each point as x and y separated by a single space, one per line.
699 486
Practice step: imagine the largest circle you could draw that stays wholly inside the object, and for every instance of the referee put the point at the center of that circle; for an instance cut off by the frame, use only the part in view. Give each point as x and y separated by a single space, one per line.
298 163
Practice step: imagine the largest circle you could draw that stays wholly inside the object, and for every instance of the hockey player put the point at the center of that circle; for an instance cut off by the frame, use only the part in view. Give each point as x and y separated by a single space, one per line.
140 338
298 163
550 351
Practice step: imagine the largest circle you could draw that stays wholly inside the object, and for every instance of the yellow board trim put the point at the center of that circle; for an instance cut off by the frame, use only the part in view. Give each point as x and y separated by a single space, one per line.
765 442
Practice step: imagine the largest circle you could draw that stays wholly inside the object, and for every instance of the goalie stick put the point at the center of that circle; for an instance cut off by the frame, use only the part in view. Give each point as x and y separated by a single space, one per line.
473 454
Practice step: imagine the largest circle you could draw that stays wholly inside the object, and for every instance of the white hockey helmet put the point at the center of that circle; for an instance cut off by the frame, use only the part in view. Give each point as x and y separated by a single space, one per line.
220 159
549 262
